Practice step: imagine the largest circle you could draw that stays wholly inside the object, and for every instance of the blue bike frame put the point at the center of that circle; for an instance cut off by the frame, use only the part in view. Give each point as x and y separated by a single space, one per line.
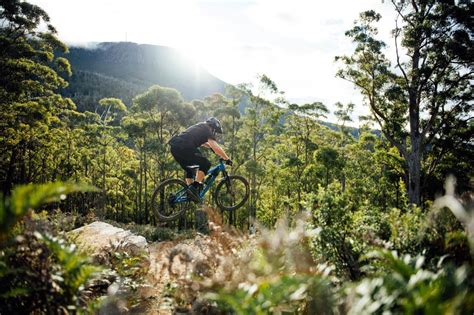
208 181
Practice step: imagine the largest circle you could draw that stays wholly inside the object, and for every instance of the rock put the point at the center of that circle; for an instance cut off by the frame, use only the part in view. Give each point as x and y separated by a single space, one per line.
99 237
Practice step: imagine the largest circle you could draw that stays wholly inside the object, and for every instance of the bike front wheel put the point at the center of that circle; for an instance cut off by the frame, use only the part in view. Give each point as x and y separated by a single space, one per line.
169 200
232 192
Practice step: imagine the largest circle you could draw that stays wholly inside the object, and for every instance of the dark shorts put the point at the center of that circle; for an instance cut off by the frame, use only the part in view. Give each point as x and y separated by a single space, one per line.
186 156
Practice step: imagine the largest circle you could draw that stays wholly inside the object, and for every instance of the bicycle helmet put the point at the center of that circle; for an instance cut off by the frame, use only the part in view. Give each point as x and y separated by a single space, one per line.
215 124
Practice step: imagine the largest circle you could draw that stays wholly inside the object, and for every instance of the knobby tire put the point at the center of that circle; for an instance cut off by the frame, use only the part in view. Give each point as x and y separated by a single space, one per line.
223 196
163 209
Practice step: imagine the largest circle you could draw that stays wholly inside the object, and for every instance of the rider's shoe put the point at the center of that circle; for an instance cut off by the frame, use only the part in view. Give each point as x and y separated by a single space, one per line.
194 190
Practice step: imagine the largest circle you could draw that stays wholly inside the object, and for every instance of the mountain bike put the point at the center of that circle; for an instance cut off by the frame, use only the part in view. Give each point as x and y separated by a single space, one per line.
171 198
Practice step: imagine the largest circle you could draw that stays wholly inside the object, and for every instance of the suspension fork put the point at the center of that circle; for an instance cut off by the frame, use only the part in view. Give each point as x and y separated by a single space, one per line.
230 191
228 184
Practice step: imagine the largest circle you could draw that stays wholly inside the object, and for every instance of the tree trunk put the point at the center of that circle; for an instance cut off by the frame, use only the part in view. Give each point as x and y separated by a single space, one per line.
232 143
414 175
147 214
414 156
10 173
254 179
104 187
140 186
22 167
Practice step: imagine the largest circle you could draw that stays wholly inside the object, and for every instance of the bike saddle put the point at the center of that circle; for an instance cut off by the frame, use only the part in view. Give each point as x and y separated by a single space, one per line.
193 167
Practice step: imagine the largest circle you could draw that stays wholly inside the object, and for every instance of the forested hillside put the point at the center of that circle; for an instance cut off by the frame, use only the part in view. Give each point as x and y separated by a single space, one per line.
124 69
339 224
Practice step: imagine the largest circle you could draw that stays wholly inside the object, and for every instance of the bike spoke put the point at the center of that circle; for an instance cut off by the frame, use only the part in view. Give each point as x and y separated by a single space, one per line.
169 201
232 193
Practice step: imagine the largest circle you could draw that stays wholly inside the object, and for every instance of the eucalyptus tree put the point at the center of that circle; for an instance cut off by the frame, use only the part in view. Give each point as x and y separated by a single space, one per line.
109 109
302 128
206 107
343 115
135 127
29 80
156 115
305 122
259 132
428 93
165 113
230 116
331 160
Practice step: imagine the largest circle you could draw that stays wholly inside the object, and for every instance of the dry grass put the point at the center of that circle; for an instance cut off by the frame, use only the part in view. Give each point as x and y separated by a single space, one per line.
187 264
183 272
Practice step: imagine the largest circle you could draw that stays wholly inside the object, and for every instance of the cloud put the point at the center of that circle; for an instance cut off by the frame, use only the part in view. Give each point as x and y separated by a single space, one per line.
85 45
292 42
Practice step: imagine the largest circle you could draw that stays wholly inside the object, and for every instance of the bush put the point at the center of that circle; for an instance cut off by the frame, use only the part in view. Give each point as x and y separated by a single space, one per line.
333 215
278 274
39 273
370 229
407 228
405 287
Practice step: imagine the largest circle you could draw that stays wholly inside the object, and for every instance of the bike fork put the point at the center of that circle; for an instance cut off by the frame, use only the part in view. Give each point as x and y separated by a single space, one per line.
227 181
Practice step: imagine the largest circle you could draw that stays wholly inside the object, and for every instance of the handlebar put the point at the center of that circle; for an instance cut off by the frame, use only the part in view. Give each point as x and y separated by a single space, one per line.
227 162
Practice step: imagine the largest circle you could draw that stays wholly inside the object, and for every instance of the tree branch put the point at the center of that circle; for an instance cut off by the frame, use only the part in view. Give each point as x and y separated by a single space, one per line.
398 54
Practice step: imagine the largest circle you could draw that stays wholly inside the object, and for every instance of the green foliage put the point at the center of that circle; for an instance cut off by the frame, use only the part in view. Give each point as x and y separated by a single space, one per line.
430 90
36 265
333 215
130 269
43 274
28 197
407 229
278 274
29 103
295 294
76 268
353 182
370 229
406 287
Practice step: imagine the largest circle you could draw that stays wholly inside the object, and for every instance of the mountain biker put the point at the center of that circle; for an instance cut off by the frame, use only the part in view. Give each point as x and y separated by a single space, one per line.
184 148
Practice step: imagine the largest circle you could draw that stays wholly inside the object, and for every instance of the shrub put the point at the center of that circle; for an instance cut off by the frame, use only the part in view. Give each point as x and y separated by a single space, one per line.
407 288
39 273
334 243
407 227
277 274
27 197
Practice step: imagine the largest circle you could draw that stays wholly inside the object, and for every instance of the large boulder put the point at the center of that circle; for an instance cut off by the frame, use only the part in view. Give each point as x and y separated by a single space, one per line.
100 238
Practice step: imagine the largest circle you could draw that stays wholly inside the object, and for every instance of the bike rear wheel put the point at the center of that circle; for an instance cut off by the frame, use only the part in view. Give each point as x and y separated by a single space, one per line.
232 192
169 200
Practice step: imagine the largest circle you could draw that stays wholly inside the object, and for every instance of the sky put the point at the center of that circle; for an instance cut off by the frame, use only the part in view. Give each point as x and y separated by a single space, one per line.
292 42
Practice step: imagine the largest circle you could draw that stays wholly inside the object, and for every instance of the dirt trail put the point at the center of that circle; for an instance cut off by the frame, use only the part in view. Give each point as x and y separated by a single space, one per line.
174 263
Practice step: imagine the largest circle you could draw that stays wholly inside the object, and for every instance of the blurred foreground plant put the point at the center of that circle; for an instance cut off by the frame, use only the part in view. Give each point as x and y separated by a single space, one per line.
408 288
28 197
39 273
277 275
463 214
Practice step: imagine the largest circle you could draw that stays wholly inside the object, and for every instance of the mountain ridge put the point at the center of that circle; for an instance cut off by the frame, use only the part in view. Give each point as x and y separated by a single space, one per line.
134 67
